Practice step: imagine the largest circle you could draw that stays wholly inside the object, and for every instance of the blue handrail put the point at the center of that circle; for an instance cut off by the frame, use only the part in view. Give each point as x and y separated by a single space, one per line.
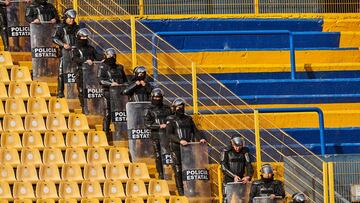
199 33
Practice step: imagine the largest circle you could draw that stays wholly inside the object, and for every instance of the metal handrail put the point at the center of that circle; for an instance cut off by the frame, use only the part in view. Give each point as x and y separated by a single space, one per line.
202 33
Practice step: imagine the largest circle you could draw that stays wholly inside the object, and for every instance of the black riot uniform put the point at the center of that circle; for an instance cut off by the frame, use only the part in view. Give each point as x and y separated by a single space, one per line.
155 115
83 52
139 92
180 127
109 74
42 10
266 186
4 25
65 33
234 160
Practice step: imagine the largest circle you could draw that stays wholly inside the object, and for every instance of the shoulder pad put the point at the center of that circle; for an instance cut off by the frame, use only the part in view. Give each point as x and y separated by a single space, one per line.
227 149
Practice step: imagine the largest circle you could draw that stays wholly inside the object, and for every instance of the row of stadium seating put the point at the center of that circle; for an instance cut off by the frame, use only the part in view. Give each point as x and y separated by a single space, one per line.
20 90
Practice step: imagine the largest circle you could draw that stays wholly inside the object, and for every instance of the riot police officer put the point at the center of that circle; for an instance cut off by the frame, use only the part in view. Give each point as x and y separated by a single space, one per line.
84 54
234 160
40 11
139 89
110 74
4 24
155 119
267 186
181 130
298 198
65 37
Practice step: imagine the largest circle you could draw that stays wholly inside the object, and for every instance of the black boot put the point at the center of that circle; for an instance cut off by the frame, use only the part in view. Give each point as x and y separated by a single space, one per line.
61 86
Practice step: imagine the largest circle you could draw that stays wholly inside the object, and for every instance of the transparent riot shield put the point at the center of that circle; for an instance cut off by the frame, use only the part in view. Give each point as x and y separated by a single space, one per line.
69 77
195 172
18 28
92 90
140 144
236 192
267 199
118 113
45 62
166 154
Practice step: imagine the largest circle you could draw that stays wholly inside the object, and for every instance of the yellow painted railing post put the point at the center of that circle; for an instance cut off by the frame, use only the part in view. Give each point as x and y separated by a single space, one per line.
256 6
76 8
141 7
58 6
194 90
220 184
133 42
257 142
326 182
331 182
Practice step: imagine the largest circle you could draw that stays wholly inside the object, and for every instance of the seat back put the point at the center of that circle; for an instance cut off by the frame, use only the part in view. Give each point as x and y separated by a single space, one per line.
39 89
119 155
136 188
58 105
20 74
75 156
69 190
35 122
15 106
114 188
49 173
37 106
10 140
54 139
94 172
13 123
56 122
91 189
97 156
75 139
26 173
138 171
23 190
46 189
18 90
32 140
30 156
53 156
116 172
9 157
78 122
97 139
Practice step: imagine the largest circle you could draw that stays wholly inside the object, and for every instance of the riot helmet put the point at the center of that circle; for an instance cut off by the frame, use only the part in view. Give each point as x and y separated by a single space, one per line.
237 140
178 106
110 53
83 32
140 73
70 13
267 171
157 96
298 197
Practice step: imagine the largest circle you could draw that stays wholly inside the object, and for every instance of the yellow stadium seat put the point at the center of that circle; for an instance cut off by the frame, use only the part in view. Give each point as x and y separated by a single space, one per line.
11 140
5 58
1 129
2 110
112 200
18 90
71 172
23 190
138 171
22 201
116 172
56 122
5 192
78 122
20 74
35 122
54 139
7 174
57 105
75 139
26 173
46 190
119 155
39 89
91 189
114 189
67 200
178 199
136 188
97 156
45 201
75 156
37 106
53 156
69 190
90 200
94 172
13 123
4 76
32 140
159 188
156 200
49 173
10 157
134 200
97 139
15 106
30 156
3 91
